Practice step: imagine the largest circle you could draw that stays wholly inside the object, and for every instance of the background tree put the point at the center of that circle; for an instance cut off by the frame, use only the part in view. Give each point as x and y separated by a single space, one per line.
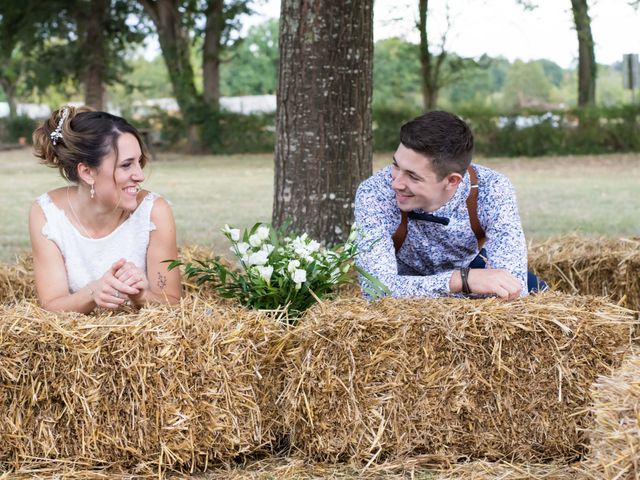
587 67
174 20
323 120
253 69
50 43
436 72
526 85
21 29
396 73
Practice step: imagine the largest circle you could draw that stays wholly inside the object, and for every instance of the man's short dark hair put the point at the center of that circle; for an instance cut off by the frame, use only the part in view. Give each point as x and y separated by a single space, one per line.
443 137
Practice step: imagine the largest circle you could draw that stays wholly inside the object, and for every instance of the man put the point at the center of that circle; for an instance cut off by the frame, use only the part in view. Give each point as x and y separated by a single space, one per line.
423 220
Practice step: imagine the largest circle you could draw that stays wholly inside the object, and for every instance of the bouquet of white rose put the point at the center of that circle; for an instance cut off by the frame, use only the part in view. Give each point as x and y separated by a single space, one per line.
279 271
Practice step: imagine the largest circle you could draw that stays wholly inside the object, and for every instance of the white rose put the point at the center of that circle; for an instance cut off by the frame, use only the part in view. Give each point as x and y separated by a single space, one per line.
267 247
232 233
255 240
313 246
353 235
262 232
265 272
243 247
293 264
299 276
299 242
257 258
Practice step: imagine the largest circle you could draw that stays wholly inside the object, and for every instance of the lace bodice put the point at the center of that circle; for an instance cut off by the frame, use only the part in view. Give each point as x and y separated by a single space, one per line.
87 259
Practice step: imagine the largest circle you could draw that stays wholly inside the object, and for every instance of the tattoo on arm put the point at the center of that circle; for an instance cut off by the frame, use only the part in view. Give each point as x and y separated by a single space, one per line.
162 281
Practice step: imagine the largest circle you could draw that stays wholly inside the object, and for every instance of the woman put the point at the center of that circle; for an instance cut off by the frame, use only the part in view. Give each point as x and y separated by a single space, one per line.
102 241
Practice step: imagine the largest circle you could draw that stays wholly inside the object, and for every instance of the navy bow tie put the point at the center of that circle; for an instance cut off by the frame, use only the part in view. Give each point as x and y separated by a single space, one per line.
428 217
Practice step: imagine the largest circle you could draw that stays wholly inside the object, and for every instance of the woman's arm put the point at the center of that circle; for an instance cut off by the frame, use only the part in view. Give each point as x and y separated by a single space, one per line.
157 284
51 280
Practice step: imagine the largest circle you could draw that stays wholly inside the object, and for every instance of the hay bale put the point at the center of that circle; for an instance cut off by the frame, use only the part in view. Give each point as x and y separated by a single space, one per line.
615 438
16 281
482 470
160 389
449 378
591 266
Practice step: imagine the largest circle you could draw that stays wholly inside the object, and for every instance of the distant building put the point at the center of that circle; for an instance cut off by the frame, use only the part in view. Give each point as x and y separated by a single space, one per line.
31 110
244 104
141 108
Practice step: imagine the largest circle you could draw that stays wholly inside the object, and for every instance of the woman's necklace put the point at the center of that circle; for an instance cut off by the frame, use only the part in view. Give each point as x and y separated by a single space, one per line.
75 216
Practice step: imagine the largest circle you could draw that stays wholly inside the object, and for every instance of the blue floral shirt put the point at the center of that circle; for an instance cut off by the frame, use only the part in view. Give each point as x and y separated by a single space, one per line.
431 251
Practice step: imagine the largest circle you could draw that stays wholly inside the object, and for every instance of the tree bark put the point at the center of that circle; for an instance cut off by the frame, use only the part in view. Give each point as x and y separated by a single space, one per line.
211 53
323 119
587 67
93 32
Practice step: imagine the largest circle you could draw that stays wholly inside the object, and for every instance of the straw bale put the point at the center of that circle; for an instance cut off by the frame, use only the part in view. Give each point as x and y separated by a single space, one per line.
162 388
449 378
300 469
16 281
615 438
482 470
276 467
591 266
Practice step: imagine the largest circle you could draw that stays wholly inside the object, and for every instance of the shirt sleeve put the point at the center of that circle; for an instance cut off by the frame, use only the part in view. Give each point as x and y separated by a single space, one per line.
505 243
377 218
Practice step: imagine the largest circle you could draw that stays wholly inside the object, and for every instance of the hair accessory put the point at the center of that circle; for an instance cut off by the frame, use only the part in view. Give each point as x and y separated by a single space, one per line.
92 192
56 135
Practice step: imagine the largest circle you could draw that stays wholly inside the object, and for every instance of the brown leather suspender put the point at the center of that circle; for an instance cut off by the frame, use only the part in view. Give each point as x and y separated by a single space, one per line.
472 206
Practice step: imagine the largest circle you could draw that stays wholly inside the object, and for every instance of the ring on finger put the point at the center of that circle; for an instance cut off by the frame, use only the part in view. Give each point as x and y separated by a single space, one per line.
117 294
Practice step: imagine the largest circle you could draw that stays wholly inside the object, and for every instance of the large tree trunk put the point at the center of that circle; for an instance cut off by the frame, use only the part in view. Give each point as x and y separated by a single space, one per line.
92 31
211 53
174 43
323 119
587 67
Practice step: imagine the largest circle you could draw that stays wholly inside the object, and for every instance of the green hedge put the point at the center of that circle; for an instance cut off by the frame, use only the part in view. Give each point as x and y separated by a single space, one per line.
11 129
529 133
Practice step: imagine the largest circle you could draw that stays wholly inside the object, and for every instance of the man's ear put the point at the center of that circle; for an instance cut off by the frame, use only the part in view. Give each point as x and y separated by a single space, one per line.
85 173
453 180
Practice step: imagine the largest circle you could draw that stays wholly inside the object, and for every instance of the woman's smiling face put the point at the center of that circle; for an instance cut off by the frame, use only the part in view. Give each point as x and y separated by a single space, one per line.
117 180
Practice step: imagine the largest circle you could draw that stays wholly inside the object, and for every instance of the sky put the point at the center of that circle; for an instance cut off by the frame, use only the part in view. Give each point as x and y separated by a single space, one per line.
501 27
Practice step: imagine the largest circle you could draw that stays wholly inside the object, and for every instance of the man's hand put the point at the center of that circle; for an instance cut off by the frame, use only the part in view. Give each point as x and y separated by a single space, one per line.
488 281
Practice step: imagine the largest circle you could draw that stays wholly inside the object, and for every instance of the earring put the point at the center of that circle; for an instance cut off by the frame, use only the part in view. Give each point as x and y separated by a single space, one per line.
92 192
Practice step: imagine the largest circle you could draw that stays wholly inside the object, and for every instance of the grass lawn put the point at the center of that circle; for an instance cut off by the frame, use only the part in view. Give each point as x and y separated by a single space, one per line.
588 195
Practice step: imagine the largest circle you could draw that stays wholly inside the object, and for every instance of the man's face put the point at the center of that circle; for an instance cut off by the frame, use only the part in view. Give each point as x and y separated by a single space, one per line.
417 185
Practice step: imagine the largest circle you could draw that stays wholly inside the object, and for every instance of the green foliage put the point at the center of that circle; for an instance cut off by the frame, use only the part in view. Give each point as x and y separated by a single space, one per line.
278 271
525 85
145 79
16 127
387 122
396 72
252 69
536 133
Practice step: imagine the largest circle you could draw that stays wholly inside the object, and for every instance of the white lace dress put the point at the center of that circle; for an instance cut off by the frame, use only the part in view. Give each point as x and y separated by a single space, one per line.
87 259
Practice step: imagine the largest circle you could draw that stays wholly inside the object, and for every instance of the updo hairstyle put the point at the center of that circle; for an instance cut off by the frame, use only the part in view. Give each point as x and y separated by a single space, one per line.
87 137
